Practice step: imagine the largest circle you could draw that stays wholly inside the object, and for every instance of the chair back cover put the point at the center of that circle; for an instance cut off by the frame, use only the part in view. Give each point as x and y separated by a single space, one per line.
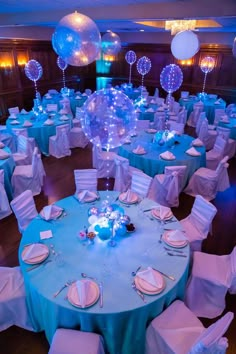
86 179
122 174
62 143
222 175
14 110
202 214
211 339
220 145
5 209
181 172
182 116
219 112
159 120
232 288
178 127
223 132
24 209
199 122
20 131
140 183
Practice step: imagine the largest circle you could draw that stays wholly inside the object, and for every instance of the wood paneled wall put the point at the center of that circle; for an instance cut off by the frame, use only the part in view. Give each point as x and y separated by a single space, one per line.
17 90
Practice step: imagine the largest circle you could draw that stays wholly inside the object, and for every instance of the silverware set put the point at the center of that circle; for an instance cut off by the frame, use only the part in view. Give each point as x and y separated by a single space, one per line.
38 265
68 283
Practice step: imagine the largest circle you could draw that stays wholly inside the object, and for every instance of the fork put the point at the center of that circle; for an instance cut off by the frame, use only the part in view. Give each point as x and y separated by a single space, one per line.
176 254
68 283
138 291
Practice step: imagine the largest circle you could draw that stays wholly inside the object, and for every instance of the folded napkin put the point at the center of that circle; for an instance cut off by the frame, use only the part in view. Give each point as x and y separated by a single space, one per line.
197 142
139 150
3 154
153 101
45 234
167 155
193 152
176 235
149 276
138 110
83 287
34 250
27 123
86 194
48 96
217 102
150 110
128 196
78 97
64 117
14 122
165 212
84 94
1 145
23 111
12 116
48 122
51 212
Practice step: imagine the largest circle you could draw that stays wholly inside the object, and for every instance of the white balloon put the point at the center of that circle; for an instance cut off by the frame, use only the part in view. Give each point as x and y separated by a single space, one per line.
185 45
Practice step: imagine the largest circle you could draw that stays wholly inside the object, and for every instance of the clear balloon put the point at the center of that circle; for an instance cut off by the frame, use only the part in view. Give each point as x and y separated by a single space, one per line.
144 65
111 44
207 64
33 70
77 39
185 45
61 63
171 78
130 57
110 115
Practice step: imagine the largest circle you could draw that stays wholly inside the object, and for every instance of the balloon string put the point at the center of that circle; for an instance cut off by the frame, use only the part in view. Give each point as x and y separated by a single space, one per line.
204 83
130 68
36 92
142 87
64 78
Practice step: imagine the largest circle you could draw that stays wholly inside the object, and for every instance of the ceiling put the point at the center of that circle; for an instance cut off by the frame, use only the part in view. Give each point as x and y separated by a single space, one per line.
122 15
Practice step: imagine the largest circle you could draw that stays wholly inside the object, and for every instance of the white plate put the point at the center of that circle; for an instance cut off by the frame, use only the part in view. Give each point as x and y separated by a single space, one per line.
139 153
176 244
134 199
148 288
92 296
56 215
87 199
39 258
167 159
151 131
156 214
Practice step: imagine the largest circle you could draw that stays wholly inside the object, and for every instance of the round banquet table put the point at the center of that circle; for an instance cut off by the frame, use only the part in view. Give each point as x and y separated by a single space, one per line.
8 166
38 130
123 319
76 100
151 163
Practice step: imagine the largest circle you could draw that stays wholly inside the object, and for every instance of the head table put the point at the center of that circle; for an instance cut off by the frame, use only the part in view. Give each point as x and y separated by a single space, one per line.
151 163
123 319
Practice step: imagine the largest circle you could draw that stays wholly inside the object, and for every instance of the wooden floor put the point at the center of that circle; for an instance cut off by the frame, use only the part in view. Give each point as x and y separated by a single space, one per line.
59 183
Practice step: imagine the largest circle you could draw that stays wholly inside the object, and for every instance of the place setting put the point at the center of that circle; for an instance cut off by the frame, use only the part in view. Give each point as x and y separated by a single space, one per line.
139 150
35 254
86 196
129 197
52 212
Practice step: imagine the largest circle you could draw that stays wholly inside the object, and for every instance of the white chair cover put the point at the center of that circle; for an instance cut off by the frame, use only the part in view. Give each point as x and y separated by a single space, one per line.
159 120
70 341
23 156
156 93
232 289
13 308
24 131
231 108
103 161
59 144
5 209
85 180
140 183
207 182
182 116
208 284
8 140
160 100
230 147
122 174
24 209
208 137
202 115
165 188
176 107
194 115
142 124
65 106
219 112
77 137
178 127
52 107
214 156
14 110
178 331
198 223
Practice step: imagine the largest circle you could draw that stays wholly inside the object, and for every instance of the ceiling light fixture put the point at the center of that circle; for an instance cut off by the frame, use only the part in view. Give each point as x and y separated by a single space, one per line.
176 26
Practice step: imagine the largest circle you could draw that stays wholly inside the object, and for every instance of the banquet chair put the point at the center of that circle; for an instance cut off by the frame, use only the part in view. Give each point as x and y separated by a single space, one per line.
23 154
178 331
13 308
85 179
140 183
77 138
8 139
207 182
202 115
176 108
59 144
13 110
208 137
198 223
160 101
230 148
52 107
65 106
219 112
29 176
182 116
209 282
214 155
184 94
5 209
230 109
194 115
159 120
142 124
71 341
24 131
24 208
165 188
103 161
123 174
178 127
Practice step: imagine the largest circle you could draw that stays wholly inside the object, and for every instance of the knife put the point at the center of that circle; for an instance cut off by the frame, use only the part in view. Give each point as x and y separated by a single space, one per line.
165 275
101 294
38 265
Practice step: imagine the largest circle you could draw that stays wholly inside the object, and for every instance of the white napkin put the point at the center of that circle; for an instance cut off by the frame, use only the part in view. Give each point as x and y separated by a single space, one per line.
83 287
14 122
45 234
84 94
27 123
3 155
34 250
150 110
164 212
128 196
84 195
51 212
12 116
193 152
138 110
197 142
139 150
64 117
48 96
48 122
23 111
176 235
149 276
1 145
153 101
167 155
78 97
217 102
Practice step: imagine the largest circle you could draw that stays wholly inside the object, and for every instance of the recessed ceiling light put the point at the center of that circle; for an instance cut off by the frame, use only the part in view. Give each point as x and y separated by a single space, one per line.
141 30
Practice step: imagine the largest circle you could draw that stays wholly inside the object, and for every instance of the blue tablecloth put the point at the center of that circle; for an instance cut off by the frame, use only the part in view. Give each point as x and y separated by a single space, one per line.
231 125
151 163
75 101
210 104
38 130
8 166
124 317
